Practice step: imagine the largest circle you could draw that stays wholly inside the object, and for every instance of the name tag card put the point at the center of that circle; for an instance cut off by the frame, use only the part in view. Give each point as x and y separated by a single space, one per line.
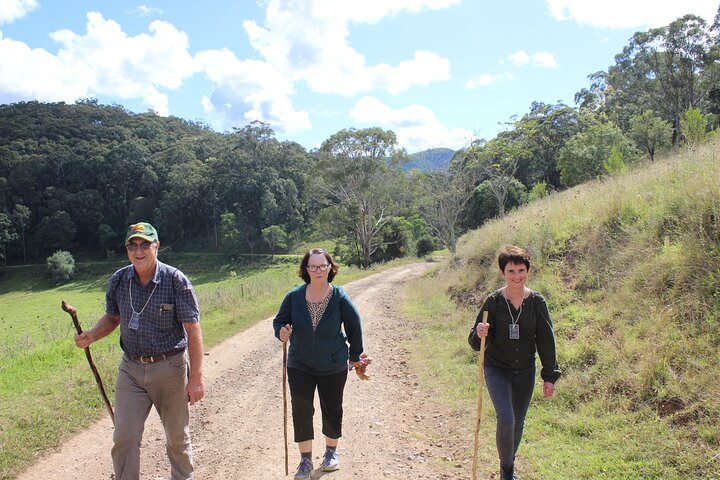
134 321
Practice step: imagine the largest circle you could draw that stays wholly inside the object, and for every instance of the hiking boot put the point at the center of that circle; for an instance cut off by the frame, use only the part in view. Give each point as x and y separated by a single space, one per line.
507 474
304 469
330 461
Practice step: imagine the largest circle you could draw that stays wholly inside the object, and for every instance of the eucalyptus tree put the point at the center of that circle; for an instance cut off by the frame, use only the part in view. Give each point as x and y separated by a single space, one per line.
127 173
668 69
498 161
20 217
443 194
7 235
584 156
185 208
650 132
261 181
359 175
542 132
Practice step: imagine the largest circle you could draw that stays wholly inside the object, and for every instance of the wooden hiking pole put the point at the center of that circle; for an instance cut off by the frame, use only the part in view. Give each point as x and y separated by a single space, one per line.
73 313
284 376
481 380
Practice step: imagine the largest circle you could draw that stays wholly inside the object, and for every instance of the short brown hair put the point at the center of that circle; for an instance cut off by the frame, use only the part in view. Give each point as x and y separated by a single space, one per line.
334 266
513 254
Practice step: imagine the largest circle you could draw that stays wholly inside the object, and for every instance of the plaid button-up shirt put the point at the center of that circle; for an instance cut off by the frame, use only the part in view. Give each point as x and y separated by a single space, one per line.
172 303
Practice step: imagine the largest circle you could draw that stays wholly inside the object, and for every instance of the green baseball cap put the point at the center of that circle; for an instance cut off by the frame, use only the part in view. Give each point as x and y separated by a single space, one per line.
141 230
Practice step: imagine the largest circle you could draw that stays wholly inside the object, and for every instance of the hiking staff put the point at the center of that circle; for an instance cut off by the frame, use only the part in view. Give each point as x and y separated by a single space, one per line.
73 313
285 405
480 390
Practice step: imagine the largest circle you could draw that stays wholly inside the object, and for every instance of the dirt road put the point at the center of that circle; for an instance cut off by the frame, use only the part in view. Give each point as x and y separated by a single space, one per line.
392 429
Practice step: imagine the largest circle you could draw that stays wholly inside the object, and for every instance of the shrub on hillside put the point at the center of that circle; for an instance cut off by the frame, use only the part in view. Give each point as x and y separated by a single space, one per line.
694 126
61 266
425 246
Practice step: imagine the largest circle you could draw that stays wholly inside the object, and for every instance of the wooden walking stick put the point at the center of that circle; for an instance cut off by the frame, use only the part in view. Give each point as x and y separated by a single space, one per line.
73 313
481 379
284 375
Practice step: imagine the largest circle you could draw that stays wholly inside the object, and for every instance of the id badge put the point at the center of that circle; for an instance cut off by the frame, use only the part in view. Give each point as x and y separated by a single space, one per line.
134 321
514 331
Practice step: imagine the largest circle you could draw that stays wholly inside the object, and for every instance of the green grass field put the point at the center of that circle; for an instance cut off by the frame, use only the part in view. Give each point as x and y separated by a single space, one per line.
47 391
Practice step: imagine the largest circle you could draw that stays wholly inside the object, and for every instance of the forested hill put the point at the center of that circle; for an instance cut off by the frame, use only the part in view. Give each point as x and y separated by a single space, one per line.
428 160
74 176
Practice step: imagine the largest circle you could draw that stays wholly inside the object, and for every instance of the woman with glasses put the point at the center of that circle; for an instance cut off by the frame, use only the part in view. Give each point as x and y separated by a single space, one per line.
325 334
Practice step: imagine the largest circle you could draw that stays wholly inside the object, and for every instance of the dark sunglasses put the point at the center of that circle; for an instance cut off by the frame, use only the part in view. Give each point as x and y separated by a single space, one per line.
132 247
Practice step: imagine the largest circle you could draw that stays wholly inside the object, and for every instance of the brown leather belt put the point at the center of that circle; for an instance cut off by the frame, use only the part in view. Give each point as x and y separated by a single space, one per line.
156 358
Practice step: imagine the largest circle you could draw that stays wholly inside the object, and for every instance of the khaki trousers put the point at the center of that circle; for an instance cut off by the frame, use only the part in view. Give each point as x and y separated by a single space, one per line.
139 387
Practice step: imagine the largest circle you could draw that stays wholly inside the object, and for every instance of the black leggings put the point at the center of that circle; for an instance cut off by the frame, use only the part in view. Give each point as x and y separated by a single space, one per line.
302 392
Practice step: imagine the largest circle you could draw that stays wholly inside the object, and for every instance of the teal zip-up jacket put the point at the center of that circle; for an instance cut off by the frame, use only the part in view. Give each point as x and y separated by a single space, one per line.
337 338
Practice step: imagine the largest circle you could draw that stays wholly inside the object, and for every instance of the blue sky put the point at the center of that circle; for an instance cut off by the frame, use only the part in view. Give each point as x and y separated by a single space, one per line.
437 72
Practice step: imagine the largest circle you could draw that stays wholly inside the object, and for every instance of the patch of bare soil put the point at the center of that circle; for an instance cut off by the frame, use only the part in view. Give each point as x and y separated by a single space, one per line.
392 428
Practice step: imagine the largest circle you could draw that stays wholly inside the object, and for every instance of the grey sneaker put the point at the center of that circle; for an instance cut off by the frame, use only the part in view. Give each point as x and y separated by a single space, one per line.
304 469
330 461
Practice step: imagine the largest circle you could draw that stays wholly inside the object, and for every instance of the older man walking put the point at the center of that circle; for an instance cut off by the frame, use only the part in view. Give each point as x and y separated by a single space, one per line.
157 311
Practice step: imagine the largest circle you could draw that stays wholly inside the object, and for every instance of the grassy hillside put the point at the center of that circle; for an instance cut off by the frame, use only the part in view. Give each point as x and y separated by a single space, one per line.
630 267
47 391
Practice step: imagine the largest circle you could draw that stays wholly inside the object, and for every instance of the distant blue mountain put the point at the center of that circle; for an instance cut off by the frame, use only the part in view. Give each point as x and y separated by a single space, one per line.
429 160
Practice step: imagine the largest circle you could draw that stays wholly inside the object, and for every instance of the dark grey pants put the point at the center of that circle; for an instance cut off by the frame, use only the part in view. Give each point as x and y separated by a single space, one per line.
510 392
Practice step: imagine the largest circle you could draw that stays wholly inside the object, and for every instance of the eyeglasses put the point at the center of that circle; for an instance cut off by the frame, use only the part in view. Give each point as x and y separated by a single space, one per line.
315 268
132 247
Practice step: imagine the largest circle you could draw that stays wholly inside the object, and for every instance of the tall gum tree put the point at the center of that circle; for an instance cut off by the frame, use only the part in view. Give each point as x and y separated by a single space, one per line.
357 173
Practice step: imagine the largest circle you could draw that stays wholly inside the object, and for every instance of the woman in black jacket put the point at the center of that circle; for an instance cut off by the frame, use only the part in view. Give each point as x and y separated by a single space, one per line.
519 325
325 334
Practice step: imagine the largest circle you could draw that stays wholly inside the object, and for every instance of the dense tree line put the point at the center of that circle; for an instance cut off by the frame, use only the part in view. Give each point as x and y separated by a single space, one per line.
72 177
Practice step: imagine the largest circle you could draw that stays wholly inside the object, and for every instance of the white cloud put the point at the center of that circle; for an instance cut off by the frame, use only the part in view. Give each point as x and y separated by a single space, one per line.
249 90
544 59
145 11
416 126
539 59
310 43
103 61
486 79
519 58
624 14
11 10
35 74
370 11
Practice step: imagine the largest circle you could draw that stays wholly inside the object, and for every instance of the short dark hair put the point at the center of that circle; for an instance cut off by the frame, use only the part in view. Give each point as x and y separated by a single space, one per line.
334 266
513 254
